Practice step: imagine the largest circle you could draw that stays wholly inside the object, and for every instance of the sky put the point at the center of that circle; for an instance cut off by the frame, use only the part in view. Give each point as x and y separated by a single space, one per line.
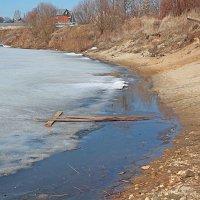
8 7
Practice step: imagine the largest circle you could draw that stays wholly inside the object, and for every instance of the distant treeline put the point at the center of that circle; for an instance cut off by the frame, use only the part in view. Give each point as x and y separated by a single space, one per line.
108 14
101 20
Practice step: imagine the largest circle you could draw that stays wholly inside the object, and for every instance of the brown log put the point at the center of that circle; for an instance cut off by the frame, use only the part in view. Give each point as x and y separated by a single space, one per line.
193 19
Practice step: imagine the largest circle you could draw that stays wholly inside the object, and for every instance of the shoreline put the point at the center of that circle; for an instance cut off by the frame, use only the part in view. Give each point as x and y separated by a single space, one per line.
176 174
106 170
175 79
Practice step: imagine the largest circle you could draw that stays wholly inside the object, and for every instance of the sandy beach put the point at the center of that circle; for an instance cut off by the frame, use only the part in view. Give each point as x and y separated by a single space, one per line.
176 80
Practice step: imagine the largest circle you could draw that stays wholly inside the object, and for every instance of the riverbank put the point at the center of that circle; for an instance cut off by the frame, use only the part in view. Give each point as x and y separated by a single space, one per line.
176 80
166 51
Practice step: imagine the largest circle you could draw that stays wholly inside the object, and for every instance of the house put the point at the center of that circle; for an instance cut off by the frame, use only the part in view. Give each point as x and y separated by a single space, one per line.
17 16
64 18
15 20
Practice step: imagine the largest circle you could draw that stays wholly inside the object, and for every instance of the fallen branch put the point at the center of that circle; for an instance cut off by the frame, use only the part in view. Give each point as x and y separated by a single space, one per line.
193 19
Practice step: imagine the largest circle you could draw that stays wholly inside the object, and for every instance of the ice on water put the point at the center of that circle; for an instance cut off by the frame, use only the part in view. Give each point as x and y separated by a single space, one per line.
37 84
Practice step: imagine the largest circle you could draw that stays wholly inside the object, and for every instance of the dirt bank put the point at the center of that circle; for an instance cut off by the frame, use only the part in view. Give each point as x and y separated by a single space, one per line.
176 80
71 39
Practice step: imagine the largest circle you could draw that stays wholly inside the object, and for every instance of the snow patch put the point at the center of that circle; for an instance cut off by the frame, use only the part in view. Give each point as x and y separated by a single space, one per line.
118 85
93 49
6 46
74 54
113 85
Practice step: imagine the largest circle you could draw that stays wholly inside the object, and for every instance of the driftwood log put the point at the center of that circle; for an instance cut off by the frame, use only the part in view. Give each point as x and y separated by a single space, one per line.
58 118
193 19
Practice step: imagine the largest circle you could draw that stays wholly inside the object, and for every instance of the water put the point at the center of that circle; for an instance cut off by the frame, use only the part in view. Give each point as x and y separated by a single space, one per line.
39 83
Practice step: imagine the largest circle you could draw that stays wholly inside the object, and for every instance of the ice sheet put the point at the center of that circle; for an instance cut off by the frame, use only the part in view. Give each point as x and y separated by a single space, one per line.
37 84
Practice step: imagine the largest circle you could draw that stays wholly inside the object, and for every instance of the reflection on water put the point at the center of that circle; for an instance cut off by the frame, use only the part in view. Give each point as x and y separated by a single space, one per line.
137 99
139 93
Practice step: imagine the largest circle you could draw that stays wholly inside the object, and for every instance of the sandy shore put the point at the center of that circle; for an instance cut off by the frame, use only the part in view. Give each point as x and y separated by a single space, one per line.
176 80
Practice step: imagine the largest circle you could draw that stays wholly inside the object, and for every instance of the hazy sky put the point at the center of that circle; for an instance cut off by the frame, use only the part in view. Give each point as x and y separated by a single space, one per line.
7 7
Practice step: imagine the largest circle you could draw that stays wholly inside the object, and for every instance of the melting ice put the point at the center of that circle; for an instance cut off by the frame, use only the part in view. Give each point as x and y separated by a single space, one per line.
37 84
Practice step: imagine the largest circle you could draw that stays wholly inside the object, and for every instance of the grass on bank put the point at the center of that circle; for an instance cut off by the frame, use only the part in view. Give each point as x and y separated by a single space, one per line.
135 35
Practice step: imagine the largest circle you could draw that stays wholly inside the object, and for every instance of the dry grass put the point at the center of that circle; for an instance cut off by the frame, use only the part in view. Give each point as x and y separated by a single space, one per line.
136 35
21 38
150 25
78 38
157 36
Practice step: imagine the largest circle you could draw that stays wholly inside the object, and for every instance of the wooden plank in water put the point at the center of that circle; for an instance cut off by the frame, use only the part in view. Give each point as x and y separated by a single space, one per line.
104 119
52 121
58 118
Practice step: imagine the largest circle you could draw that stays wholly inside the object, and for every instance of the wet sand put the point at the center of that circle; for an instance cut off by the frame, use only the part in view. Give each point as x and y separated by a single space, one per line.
176 80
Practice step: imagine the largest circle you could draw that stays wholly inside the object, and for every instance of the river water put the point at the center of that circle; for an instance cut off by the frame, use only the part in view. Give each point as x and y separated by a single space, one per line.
79 160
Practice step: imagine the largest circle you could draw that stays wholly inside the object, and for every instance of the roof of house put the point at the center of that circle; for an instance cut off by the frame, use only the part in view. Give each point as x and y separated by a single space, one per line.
61 12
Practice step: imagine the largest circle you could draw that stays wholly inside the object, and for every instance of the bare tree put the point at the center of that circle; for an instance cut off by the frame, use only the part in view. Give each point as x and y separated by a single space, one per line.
110 14
8 20
105 14
42 21
17 15
138 7
177 7
85 11
1 19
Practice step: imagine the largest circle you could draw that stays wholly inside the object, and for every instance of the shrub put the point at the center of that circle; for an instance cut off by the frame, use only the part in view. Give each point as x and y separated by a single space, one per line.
177 7
42 21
